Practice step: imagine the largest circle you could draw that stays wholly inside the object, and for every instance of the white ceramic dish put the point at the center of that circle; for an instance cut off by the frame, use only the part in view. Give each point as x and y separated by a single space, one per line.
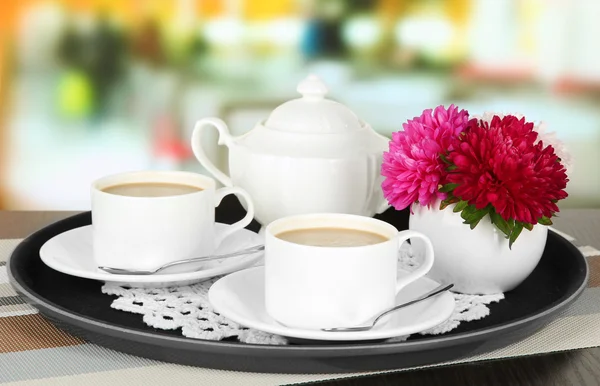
72 253
241 298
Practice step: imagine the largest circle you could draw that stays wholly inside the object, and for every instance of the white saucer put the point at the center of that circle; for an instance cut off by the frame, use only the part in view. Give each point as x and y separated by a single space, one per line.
240 297
72 253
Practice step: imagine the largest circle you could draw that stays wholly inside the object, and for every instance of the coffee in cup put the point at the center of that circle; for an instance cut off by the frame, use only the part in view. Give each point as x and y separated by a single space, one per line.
151 189
331 237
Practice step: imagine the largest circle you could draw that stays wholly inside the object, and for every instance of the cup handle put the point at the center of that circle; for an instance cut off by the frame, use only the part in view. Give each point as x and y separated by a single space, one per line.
224 139
219 195
425 265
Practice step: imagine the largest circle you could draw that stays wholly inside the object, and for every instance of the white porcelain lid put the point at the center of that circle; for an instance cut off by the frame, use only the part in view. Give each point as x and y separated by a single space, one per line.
313 113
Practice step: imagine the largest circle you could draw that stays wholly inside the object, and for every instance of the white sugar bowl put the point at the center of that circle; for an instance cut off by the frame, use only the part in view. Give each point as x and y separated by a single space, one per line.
311 155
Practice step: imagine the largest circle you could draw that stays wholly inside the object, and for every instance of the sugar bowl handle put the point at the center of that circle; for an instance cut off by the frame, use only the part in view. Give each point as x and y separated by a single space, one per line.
224 139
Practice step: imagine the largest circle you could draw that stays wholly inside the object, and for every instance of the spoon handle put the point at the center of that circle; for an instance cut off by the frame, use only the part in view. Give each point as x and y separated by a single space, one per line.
429 294
255 248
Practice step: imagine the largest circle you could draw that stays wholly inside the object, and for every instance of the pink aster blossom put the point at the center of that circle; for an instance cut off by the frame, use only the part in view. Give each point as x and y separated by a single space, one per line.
413 168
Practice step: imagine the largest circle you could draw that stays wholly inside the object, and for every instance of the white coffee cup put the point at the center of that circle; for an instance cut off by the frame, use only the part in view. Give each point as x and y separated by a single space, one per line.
314 287
146 232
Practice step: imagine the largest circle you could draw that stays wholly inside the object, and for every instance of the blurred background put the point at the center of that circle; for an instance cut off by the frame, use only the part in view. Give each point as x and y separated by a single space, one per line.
93 87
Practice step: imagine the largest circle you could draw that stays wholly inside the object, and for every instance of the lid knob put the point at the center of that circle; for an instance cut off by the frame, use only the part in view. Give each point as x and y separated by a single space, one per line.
312 87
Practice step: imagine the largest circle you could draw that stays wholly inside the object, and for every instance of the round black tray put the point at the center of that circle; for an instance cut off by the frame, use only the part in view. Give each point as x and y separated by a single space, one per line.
77 306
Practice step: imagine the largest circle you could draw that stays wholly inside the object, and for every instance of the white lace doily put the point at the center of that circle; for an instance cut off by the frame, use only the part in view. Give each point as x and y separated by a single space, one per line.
187 307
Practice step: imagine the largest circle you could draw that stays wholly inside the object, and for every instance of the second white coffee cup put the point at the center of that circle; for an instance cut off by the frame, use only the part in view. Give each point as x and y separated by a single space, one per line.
314 287
145 232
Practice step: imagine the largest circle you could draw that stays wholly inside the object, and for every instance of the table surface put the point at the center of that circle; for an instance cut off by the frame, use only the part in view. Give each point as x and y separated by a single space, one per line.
579 367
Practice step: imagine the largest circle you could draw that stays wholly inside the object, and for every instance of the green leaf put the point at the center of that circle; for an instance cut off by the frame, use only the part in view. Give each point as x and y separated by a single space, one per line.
460 206
467 212
528 226
451 168
544 221
447 188
477 216
445 159
472 216
449 200
515 233
500 223
474 222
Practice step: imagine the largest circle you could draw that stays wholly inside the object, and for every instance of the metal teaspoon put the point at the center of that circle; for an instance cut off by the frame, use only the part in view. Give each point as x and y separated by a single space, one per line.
432 293
122 271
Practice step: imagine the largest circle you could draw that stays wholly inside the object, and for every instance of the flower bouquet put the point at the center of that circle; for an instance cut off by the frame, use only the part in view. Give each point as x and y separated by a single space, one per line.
496 165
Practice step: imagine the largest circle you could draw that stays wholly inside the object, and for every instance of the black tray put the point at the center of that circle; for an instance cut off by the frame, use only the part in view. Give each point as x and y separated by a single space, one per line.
77 306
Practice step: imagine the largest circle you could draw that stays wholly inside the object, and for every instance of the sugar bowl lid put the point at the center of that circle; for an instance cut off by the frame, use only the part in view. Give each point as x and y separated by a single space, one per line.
313 113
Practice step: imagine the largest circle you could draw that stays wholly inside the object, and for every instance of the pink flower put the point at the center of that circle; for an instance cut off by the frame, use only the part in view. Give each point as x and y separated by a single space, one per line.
413 168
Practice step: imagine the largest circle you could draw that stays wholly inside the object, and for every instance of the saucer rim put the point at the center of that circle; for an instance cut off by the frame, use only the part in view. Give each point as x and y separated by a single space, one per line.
170 278
298 333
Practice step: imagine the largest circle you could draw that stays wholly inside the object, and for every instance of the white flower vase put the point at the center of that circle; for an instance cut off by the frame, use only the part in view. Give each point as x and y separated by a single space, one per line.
477 261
